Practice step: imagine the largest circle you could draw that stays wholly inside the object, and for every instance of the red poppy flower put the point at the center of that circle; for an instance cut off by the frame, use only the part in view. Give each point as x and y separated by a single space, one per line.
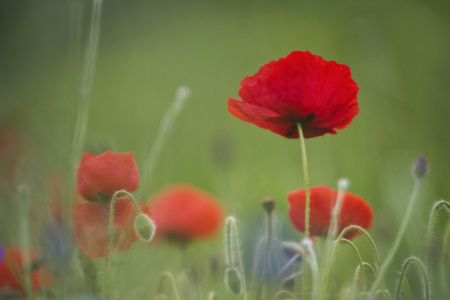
301 88
12 264
354 211
92 226
99 177
185 213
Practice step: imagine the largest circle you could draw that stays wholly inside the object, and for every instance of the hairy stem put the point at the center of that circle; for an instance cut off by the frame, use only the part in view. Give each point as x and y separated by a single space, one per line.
231 222
332 257
434 210
402 275
360 261
306 180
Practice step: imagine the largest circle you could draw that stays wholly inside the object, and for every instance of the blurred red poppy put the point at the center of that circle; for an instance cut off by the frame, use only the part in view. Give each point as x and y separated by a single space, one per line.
185 213
354 211
301 88
92 226
13 273
99 177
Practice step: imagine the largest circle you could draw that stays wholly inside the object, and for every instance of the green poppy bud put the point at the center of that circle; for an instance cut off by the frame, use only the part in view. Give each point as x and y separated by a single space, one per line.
145 227
233 281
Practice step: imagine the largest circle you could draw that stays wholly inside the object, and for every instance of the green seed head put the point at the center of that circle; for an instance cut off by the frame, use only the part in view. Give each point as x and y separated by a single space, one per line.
145 227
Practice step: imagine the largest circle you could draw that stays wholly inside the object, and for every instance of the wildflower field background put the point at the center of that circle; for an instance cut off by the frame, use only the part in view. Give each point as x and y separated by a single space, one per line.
398 55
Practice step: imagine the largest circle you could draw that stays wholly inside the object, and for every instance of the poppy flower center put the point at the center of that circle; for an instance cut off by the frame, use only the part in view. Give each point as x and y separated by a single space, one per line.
308 118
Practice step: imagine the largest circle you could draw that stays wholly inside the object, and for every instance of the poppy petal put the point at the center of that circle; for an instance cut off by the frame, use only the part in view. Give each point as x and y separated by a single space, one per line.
354 211
262 117
185 212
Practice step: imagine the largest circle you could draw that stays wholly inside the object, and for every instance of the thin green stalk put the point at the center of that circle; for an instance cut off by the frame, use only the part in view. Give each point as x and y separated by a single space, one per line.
182 94
399 235
332 257
360 261
356 277
424 275
173 284
306 180
111 217
284 292
86 81
434 210
109 266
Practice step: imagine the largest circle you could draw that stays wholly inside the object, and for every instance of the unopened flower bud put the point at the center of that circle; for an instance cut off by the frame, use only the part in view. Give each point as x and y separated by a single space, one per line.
145 227
364 296
420 167
382 295
268 204
292 249
233 281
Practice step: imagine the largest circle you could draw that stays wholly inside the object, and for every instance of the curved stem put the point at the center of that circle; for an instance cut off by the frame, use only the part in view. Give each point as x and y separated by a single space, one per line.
306 180
111 217
332 257
283 292
360 261
169 276
399 235
402 275
434 210
358 269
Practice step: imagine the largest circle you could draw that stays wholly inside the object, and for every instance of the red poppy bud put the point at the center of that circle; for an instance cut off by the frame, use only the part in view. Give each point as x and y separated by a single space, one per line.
301 88
99 177
354 211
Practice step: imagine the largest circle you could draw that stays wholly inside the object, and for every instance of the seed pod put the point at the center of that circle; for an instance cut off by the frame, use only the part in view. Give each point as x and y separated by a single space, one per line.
145 227
233 281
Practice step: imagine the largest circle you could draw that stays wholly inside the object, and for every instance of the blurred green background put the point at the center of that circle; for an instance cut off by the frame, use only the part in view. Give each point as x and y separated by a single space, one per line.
398 52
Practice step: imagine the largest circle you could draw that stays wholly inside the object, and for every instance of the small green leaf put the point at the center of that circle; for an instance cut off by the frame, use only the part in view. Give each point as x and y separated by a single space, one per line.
407 288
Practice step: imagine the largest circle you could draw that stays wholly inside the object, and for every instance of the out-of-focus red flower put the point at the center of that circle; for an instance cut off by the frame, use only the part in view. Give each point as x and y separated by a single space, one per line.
92 226
301 88
13 267
185 213
354 211
99 177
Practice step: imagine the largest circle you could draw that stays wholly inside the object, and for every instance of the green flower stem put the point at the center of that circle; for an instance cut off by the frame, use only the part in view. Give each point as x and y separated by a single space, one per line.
360 261
434 210
402 275
111 217
399 235
306 179
332 257
169 277
109 262
283 292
